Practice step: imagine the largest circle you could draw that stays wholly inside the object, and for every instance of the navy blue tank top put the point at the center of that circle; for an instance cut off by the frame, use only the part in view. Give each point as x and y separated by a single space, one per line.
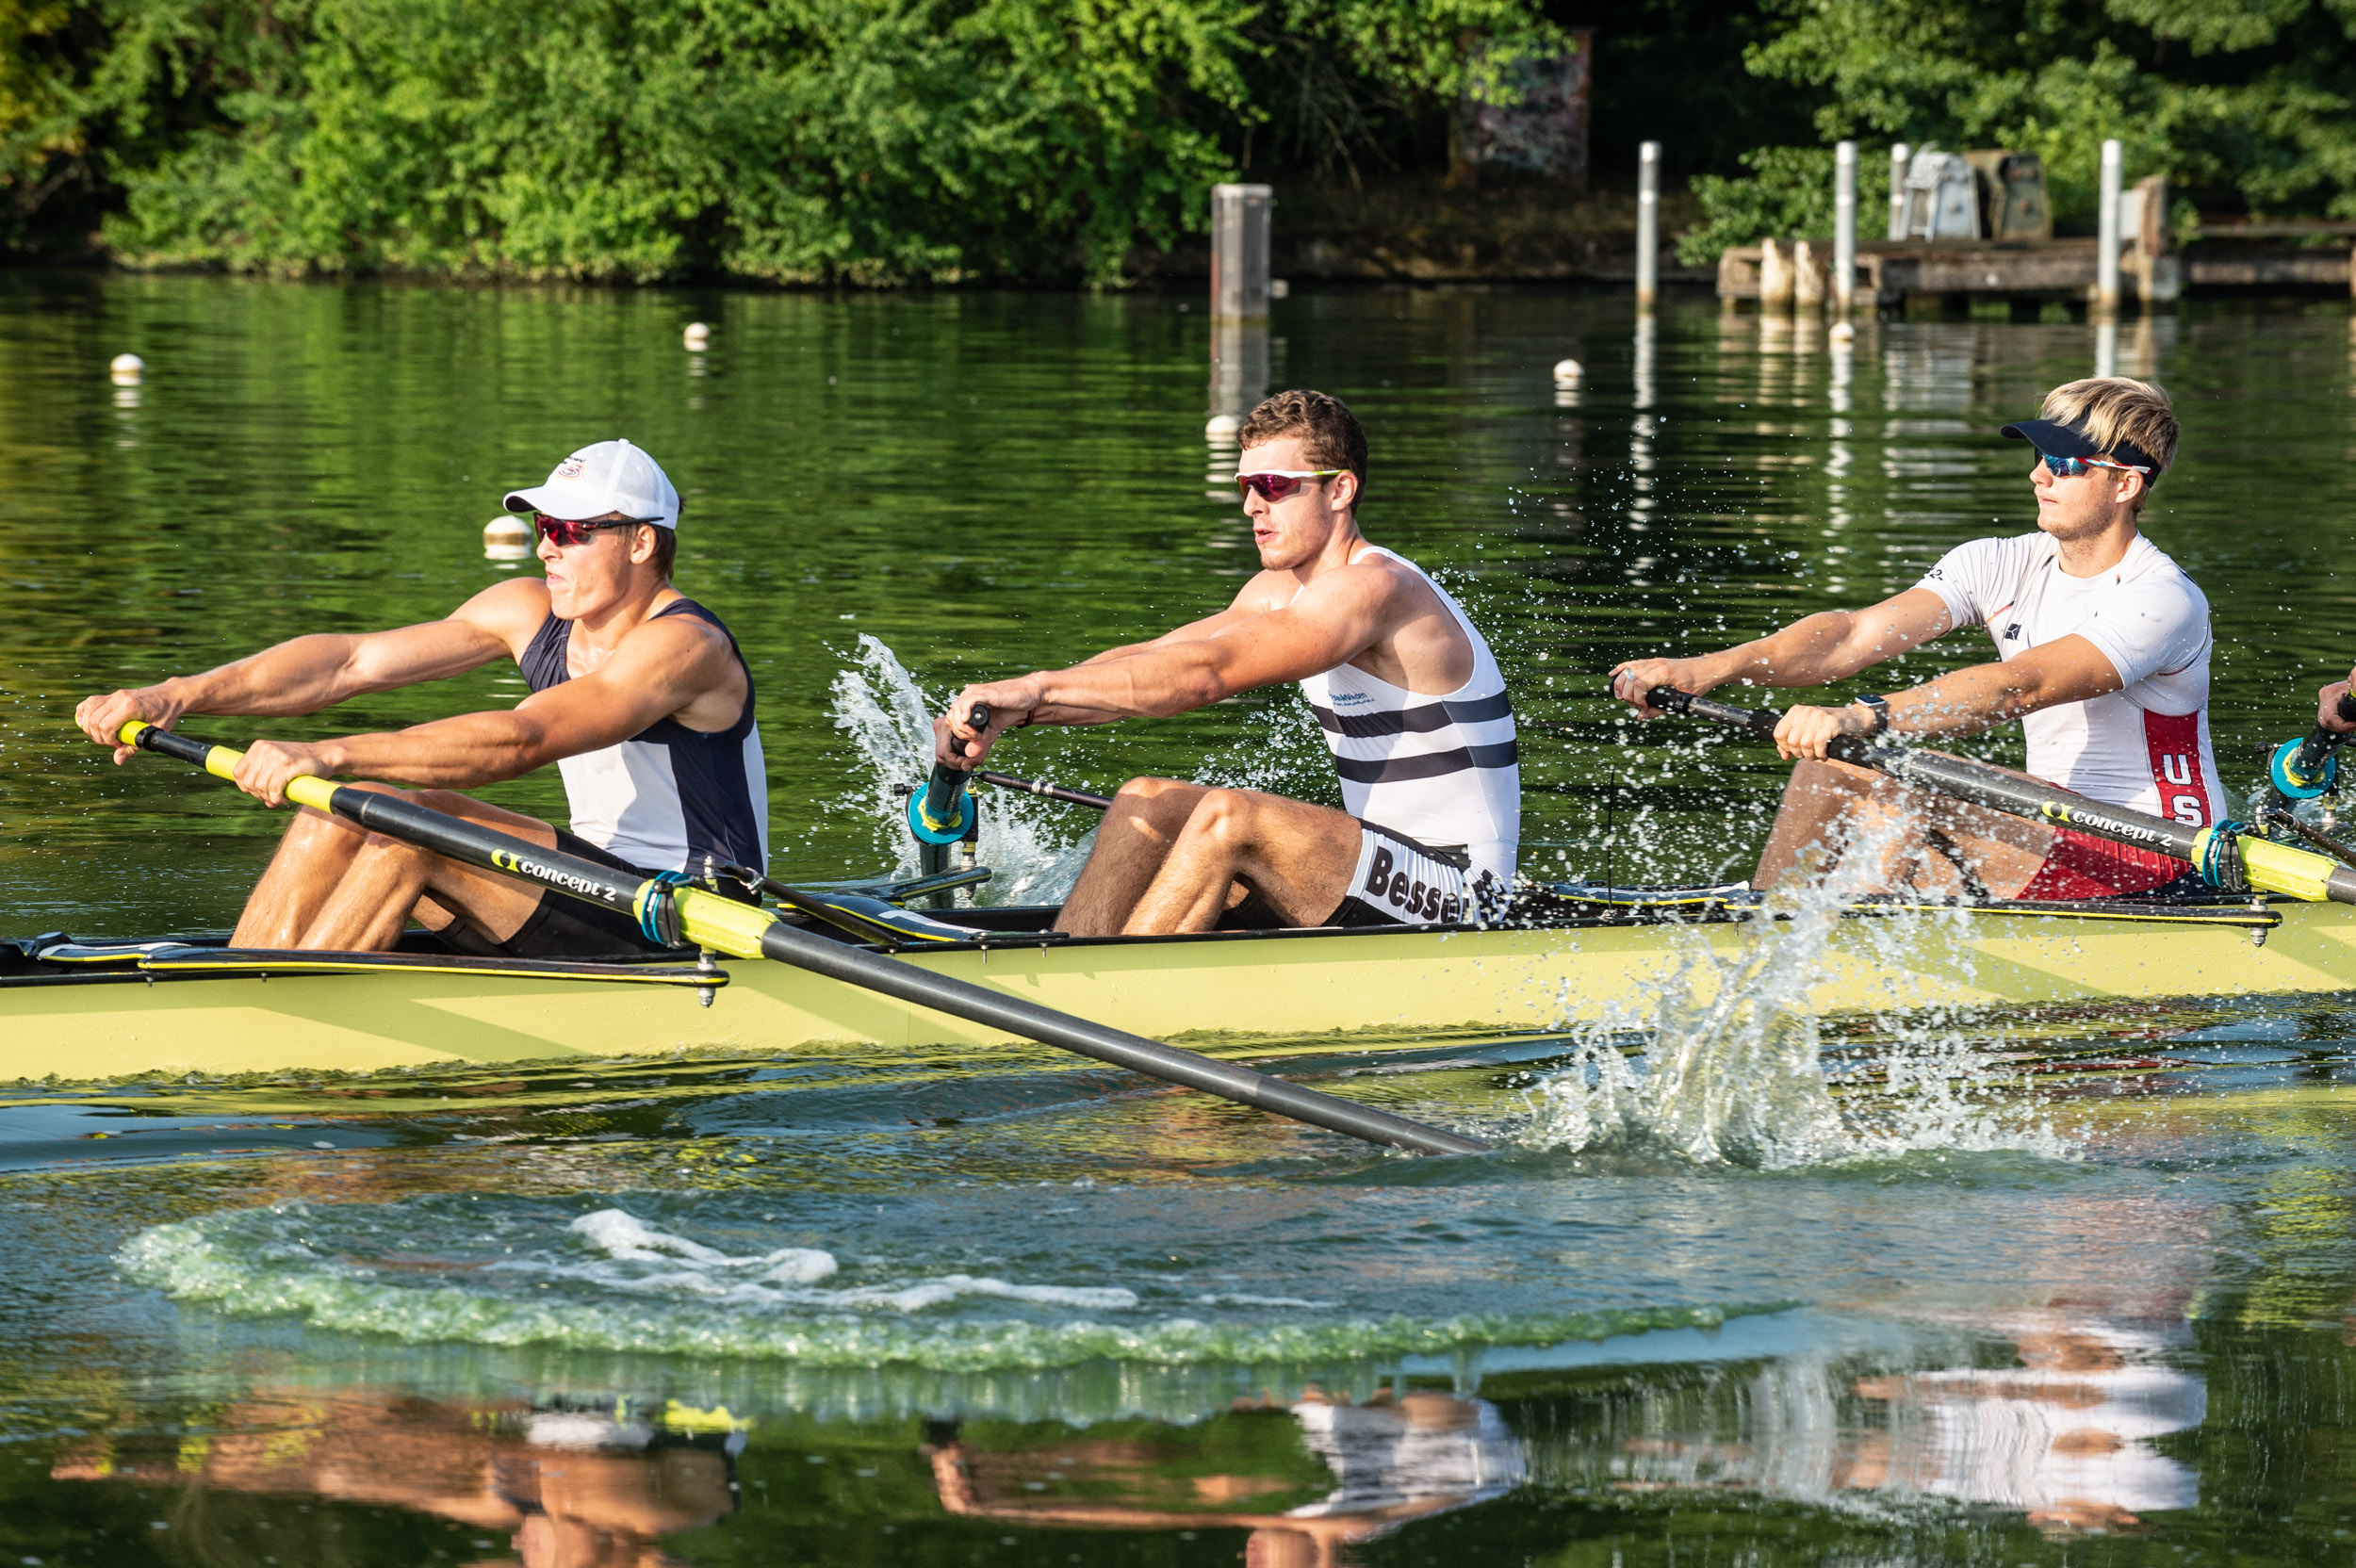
669 795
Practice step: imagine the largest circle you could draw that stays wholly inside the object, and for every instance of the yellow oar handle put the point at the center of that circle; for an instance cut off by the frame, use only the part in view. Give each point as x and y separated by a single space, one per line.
222 762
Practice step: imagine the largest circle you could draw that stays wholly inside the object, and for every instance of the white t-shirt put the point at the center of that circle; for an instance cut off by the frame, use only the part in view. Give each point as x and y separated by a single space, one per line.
2145 746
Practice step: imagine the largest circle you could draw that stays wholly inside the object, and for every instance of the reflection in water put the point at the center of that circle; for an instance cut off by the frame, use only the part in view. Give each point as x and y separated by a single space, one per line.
2056 1421
574 1488
2065 1438
1390 1460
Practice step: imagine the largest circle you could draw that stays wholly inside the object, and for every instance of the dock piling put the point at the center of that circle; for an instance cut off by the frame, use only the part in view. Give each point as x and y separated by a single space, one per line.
1648 225
1843 225
1898 155
1239 251
2106 243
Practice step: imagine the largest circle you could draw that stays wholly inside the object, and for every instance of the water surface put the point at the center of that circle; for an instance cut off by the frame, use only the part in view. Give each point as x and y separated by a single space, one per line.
770 1312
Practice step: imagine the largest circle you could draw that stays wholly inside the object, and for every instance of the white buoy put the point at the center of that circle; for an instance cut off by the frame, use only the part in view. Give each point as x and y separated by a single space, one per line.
1279 290
1222 430
126 369
506 537
697 336
1569 372
1841 333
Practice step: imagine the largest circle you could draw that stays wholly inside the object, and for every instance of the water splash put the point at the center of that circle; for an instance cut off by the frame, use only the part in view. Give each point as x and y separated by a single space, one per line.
889 719
1732 1064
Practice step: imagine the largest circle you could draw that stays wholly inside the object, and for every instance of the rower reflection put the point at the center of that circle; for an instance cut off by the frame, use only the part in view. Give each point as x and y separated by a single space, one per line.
572 1488
2067 1437
1331 1474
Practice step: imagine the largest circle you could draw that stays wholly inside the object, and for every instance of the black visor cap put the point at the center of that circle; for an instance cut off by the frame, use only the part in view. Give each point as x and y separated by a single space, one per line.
2050 435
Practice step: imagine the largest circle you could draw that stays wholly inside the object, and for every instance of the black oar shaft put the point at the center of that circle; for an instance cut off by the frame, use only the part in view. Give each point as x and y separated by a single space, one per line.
748 933
978 1005
2274 867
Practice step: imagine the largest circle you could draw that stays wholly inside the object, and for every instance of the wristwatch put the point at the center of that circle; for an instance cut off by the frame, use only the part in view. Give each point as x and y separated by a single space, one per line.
1879 706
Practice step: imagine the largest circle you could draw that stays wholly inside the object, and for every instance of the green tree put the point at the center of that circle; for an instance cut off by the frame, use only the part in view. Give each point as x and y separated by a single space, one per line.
795 140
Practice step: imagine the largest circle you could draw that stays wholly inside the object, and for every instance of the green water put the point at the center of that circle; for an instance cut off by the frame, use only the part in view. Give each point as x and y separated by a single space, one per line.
769 1311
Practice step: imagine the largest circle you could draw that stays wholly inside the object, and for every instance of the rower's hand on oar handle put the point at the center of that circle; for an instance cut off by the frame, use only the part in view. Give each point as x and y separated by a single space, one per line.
964 735
1809 732
269 766
102 717
1634 681
2335 706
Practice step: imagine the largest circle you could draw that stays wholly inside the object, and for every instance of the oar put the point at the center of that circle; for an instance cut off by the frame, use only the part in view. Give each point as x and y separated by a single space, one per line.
669 911
941 813
2265 865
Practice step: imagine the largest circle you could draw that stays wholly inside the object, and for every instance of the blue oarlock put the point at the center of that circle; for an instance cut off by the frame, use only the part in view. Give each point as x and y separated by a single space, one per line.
2294 778
928 822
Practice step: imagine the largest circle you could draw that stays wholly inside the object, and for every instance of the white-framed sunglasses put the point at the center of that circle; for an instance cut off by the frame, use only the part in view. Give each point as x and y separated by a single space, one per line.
1274 485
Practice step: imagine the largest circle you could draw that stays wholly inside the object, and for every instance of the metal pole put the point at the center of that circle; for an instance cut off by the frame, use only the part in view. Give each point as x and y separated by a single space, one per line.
1843 225
1898 156
2106 244
1648 225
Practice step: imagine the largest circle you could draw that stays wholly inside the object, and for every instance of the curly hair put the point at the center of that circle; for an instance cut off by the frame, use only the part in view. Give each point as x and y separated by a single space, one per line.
1329 434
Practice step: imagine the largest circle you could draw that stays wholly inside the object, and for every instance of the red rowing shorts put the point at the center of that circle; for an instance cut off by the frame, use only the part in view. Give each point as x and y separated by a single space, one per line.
2079 866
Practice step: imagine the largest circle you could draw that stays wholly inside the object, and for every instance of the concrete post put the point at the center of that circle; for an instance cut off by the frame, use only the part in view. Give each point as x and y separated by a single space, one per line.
2106 242
1774 277
1239 251
1648 225
1843 225
1898 156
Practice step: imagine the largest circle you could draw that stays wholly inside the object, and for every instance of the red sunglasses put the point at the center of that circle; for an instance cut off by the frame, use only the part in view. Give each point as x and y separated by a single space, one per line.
1277 483
565 532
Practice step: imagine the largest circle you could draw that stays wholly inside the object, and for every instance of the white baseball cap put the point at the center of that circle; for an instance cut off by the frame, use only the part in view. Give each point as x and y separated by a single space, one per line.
611 476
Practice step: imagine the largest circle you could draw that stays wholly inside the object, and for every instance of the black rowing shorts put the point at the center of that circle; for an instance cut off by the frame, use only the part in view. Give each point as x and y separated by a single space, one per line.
567 927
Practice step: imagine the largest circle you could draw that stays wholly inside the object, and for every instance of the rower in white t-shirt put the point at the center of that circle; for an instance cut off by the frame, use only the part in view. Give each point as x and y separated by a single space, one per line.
2103 653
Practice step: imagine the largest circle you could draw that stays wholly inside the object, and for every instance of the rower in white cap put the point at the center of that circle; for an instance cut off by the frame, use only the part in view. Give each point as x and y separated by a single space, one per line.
639 695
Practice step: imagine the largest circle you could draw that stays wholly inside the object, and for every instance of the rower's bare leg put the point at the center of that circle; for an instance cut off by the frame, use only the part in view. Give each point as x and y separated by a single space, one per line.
387 880
312 858
1139 828
1297 857
1929 844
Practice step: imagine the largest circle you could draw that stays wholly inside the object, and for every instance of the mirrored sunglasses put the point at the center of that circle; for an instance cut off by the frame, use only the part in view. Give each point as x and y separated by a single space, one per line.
2070 467
1277 483
565 532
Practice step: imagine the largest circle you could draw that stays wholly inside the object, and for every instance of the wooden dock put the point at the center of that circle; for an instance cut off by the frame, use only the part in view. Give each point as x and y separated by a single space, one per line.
2030 273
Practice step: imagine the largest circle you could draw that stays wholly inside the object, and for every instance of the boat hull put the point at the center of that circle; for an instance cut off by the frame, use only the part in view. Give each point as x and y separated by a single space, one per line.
1256 994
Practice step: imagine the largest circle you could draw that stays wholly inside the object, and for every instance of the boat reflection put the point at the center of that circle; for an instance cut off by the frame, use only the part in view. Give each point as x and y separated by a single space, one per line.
2059 1419
1395 1458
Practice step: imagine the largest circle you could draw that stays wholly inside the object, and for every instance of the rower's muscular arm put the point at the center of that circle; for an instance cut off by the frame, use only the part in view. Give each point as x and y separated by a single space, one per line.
1817 650
306 674
1256 642
662 668
1966 702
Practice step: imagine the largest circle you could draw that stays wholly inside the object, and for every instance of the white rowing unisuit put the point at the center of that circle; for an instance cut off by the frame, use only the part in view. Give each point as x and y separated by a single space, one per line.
2145 746
1440 769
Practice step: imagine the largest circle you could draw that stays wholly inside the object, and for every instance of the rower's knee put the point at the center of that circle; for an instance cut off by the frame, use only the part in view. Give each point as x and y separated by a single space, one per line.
1223 816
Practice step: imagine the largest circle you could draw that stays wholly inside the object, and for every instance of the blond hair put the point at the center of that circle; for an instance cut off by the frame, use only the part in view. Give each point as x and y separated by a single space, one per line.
2112 409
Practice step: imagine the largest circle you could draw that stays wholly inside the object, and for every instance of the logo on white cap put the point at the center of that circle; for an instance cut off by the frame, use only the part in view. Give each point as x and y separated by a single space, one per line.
608 477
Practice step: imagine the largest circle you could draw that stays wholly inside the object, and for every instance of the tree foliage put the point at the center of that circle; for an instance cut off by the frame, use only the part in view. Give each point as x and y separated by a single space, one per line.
797 141
2244 104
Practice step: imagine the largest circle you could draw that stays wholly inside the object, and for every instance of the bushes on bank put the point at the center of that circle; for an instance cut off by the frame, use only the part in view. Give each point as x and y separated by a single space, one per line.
795 140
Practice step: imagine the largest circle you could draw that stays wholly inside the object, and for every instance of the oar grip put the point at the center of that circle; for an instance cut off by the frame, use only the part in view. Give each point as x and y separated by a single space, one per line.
165 743
1760 722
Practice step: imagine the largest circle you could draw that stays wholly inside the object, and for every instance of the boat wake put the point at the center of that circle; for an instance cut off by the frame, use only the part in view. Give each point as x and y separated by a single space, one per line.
489 1270
1731 1068
889 719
